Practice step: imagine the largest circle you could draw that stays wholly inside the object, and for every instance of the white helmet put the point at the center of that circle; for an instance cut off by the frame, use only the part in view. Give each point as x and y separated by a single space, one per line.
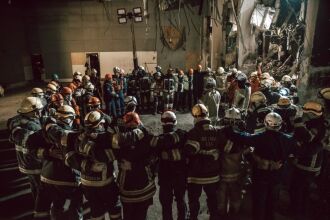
78 78
130 100
116 69
77 73
221 70
90 87
94 71
51 88
286 79
141 68
30 104
265 76
210 83
37 92
65 114
233 113
199 110
258 98
265 84
86 78
273 121
158 68
208 69
168 118
254 74
234 70
93 119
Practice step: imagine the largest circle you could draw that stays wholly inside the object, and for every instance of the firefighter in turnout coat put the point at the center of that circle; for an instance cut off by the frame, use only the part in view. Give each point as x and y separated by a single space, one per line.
21 128
136 183
202 149
58 181
172 166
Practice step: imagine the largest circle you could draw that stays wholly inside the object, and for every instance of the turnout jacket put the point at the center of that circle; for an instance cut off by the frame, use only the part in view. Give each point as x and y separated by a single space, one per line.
135 179
202 149
94 152
309 151
169 149
271 150
21 128
55 138
255 119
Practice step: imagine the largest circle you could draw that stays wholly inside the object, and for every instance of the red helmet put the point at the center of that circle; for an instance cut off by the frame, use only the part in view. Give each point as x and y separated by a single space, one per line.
66 91
94 102
132 120
57 99
108 76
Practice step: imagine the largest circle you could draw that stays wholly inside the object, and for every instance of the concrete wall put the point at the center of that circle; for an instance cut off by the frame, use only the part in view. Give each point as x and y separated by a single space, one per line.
12 46
247 35
56 29
306 92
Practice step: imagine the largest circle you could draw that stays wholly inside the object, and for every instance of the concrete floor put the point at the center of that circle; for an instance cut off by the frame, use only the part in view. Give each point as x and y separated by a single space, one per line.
10 103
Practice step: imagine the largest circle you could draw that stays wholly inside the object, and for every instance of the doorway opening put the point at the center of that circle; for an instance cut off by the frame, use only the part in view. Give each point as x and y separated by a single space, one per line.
38 69
92 62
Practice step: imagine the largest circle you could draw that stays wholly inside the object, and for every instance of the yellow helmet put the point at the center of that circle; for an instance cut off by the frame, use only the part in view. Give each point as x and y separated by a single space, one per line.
258 98
284 102
325 93
313 107
199 110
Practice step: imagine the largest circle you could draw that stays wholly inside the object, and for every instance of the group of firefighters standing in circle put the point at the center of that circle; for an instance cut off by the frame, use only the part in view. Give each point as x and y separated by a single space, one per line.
68 146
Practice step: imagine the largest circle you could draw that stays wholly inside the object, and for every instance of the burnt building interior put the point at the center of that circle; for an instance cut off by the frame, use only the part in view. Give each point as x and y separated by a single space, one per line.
140 70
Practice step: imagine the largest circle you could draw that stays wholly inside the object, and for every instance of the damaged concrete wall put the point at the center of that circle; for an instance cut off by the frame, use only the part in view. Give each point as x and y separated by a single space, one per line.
248 36
306 89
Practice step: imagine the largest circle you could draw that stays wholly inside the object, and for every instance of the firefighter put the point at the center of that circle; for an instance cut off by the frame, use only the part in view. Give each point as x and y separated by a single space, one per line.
231 86
324 94
211 99
118 84
144 86
180 94
207 76
220 78
288 112
136 183
198 83
286 81
94 158
254 82
77 89
132 84
242 93
85 80
21 127
168 90
69 100
229 193
56 101
257 112
157 92
76 82
265 88
58 181
190 88
37 92
202 150
271 150
88 93
95 79
109 96
172 166
50 90
309 133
